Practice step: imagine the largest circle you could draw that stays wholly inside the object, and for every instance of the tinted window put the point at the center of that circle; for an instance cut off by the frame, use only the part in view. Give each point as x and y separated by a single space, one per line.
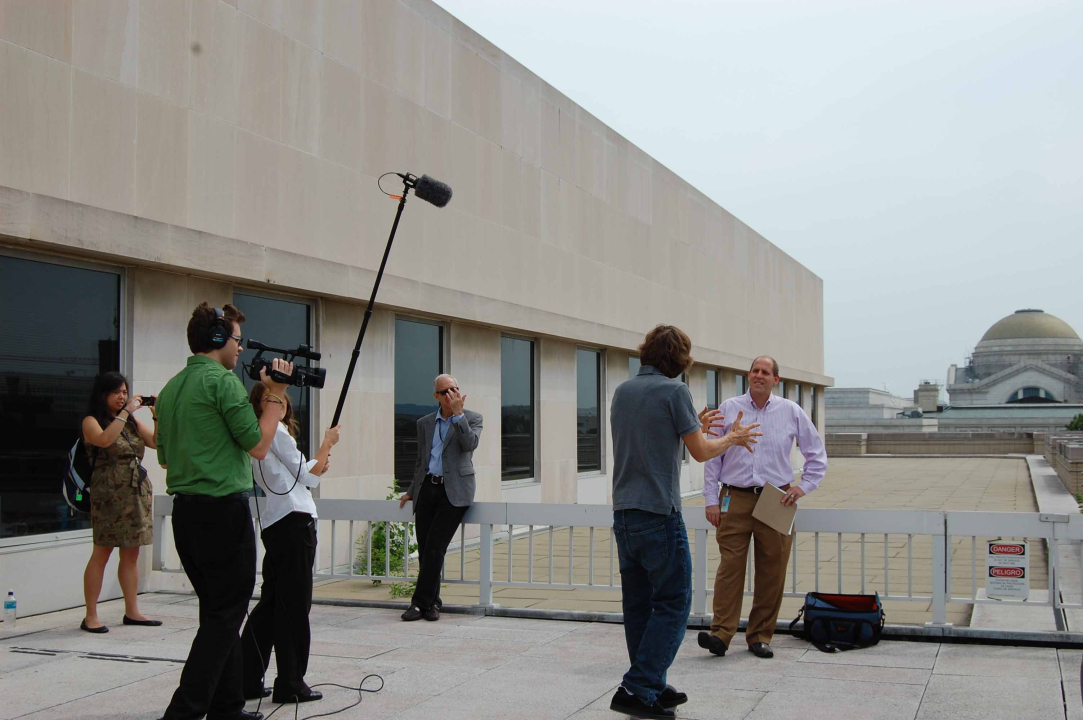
633 365
59 328
281 324
419 358
712 389
588 416
516 408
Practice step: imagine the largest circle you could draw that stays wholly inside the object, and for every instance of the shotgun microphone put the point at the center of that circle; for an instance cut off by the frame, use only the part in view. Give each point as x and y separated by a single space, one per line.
428 189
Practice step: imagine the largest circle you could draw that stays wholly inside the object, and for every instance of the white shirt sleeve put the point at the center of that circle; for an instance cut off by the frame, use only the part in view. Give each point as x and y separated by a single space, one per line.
293 460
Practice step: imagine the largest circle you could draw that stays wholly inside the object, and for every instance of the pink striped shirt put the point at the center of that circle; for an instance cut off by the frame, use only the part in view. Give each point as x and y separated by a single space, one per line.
781 421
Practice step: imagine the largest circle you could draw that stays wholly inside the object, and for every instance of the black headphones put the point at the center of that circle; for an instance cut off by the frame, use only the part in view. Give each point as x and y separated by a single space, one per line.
220 334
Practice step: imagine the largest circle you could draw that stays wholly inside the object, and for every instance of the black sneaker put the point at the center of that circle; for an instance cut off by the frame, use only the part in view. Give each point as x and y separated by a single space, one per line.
412 613
624 702
671 697
707 641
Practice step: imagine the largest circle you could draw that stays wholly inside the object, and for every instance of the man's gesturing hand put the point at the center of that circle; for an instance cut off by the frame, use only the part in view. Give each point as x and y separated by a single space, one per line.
711 419
456 401
742 434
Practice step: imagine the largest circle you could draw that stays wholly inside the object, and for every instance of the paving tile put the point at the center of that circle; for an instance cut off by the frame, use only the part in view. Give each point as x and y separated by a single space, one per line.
997 661
991 698
893 675
885 654
465 652
12 659
1070 662
849 704
525 686
69 678
144 699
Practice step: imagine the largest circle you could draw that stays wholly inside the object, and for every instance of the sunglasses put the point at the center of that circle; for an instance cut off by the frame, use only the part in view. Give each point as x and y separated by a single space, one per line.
445 392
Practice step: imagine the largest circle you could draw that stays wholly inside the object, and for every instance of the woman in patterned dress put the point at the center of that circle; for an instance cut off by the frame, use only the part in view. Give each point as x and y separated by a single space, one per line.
120 494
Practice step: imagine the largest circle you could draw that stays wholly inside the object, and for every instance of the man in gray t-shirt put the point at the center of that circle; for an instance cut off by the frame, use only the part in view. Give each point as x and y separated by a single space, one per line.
651 415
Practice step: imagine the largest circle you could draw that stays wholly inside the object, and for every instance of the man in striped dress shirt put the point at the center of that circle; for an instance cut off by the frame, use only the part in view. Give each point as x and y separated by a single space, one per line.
731 487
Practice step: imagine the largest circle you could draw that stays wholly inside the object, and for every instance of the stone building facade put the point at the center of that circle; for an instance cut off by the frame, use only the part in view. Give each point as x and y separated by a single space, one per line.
158 153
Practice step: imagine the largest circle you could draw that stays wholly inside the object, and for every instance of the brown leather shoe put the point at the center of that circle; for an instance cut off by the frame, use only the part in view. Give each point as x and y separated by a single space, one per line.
432 614
412 613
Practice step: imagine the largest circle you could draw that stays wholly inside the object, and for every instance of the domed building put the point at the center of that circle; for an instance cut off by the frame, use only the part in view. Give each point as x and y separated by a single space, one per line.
1029 357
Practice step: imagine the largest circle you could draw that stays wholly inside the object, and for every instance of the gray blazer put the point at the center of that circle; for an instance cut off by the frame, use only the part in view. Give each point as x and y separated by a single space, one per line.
459 444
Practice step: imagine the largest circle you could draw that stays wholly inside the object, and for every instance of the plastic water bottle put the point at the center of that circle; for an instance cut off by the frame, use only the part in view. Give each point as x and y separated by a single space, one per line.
10 613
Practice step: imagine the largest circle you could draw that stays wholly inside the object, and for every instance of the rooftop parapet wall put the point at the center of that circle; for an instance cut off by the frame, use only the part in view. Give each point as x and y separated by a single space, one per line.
931 443
1064 452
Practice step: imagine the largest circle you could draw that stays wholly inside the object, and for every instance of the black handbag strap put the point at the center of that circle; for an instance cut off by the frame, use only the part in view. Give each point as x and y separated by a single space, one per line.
797 619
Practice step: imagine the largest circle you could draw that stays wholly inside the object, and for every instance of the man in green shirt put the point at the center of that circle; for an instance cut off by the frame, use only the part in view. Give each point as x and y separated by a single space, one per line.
206 431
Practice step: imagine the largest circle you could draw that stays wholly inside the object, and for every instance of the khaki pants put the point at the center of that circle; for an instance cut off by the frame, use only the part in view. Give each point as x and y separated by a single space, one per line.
771 555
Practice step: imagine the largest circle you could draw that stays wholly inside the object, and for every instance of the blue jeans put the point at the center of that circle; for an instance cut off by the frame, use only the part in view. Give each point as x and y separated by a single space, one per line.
656 592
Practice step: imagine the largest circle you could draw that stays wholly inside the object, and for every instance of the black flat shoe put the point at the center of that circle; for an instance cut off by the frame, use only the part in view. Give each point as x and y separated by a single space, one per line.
761 650
306 695
97 631
432 614
143 623
671 697
257 694
707 641
412 613
628 704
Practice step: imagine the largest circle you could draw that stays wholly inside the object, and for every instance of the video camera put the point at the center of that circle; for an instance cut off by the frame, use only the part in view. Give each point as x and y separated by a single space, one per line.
301 377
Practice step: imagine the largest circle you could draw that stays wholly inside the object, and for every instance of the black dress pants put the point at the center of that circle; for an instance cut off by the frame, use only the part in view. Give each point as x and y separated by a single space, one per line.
280 618
217 548
437 522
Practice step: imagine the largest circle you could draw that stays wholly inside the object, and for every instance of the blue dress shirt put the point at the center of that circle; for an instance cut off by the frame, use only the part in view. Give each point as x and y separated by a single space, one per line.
436 455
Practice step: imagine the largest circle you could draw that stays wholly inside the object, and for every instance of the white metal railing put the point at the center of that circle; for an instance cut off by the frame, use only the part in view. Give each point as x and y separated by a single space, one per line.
937 534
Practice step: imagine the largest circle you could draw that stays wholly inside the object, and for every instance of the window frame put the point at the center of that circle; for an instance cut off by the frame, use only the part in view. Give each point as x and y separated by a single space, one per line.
125 296
602 415
535 363
717 386
312 340
445 362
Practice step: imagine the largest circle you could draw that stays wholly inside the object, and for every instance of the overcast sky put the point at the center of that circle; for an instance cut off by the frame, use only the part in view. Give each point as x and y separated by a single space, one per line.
924 158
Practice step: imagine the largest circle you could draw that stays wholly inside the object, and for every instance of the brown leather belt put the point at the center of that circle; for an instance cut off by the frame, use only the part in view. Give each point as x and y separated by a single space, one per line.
755 490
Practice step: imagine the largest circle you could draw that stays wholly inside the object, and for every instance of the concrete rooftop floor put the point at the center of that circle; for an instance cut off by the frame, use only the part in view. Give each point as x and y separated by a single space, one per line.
468 666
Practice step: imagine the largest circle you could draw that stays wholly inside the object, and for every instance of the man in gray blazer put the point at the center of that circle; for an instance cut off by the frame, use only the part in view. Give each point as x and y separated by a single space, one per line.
442 488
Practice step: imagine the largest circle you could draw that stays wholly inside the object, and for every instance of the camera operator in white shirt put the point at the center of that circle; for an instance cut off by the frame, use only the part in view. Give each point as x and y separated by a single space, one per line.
288 531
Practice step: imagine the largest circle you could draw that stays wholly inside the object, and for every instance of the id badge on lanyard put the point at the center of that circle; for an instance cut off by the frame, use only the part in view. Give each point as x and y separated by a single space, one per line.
724 505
